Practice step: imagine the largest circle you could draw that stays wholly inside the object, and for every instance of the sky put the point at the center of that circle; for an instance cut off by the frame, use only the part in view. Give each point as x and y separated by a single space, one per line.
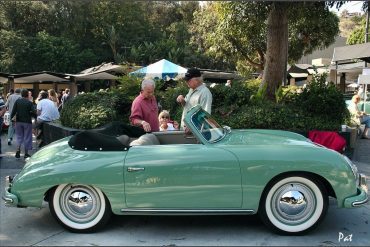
352 6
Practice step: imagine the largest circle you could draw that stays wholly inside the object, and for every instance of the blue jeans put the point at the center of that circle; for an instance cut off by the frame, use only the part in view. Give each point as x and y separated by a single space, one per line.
366 120
11 130
24 135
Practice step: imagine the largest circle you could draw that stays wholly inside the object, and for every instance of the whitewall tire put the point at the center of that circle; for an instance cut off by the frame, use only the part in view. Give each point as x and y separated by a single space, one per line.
294 204
79 208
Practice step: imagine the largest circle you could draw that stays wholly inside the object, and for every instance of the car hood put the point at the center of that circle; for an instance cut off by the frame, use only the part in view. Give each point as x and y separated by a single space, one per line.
265 137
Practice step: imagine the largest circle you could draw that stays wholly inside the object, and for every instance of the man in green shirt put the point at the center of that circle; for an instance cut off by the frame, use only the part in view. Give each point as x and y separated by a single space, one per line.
198 94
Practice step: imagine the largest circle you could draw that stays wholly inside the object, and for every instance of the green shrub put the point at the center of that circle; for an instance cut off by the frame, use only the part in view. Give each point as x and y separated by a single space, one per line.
92 110
318 107
269 115
319 99
167 99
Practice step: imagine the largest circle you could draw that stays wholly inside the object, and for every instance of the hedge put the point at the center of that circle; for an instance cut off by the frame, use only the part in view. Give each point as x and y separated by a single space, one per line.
318 106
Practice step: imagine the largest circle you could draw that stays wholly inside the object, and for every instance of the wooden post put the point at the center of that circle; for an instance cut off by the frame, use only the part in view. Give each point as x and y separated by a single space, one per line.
87 86
342 82
309 79
112 84
10 82
73 89
36 90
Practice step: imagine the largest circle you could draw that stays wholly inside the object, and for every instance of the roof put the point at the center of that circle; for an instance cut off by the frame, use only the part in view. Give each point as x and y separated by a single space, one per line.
298 75
350 52
95 73
349 67
104 67
43 76
207 74
92 76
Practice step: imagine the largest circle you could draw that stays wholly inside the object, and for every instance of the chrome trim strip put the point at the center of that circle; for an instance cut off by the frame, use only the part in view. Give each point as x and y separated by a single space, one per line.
362 179
189 211
135 169
359 203
7 200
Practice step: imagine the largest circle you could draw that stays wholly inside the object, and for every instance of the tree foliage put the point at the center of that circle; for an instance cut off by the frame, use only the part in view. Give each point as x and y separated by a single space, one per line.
232 29
357 36
70 35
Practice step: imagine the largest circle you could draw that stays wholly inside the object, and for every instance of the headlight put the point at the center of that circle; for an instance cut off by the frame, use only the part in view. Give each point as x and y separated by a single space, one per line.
352 166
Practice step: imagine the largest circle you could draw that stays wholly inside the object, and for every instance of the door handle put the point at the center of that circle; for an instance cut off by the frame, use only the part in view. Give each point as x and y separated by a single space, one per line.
135 169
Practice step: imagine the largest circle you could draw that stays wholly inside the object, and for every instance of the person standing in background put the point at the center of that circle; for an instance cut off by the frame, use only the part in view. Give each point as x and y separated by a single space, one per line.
30 97
9 105
66 97
198 94
53 97
23 111
228 83
2 112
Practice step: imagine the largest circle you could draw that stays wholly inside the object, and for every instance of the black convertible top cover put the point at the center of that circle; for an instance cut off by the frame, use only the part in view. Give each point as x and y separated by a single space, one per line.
105 138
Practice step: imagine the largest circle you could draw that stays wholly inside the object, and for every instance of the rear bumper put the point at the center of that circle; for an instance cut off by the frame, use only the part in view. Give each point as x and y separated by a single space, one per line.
361 197
10 199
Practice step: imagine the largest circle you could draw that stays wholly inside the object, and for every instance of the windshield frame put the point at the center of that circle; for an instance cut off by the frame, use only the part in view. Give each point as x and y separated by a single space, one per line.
207 126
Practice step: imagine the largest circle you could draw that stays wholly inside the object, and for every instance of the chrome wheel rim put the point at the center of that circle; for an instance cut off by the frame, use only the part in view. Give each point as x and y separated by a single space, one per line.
293 203
80 204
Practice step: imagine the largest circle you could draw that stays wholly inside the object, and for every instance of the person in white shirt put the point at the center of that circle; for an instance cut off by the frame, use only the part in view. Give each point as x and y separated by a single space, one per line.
165 123
46 112
359 117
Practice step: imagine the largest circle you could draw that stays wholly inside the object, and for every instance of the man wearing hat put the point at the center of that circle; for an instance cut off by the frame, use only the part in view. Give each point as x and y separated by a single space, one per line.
198 94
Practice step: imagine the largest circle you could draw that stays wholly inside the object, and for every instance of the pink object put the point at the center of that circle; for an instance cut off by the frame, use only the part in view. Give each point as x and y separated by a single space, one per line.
145 109
329 139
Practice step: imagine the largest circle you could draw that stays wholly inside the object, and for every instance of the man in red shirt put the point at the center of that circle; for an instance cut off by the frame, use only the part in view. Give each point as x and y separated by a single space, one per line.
144 109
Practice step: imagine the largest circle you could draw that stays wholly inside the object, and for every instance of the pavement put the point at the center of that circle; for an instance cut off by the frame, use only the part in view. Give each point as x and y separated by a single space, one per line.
8 160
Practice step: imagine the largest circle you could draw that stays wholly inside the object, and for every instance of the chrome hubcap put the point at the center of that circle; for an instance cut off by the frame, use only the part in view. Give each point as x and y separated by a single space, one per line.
80 203
293 203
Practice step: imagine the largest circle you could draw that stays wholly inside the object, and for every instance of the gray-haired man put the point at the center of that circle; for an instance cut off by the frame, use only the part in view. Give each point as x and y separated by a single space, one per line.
9 105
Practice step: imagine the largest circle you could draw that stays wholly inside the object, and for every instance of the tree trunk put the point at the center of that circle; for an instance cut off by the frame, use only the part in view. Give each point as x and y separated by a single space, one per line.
277 48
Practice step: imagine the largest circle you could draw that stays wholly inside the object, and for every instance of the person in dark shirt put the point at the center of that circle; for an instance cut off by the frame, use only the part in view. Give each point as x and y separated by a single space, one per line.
23 111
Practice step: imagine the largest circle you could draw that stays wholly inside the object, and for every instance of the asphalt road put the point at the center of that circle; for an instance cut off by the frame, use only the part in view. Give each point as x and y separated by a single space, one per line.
36 227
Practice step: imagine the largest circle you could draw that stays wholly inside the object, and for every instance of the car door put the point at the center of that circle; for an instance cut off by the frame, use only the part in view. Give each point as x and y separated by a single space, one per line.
182 176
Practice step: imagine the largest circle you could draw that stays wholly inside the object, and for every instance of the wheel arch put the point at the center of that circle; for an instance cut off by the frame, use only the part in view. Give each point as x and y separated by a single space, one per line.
49 192
315 176
276 222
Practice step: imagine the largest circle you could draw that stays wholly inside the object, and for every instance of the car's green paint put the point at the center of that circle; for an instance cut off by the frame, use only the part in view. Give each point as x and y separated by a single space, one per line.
183 176
228 174
58 164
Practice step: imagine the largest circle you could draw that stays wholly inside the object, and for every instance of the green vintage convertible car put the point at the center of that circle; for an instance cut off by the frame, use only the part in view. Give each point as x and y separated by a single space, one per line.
280 175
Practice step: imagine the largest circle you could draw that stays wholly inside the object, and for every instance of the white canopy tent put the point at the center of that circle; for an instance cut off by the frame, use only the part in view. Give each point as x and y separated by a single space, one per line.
163 69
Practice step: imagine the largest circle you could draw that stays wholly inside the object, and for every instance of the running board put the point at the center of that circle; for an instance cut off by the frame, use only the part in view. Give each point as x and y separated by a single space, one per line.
149 211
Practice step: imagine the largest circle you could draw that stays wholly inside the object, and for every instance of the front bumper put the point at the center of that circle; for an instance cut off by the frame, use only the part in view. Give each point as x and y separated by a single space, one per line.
361 197
10 199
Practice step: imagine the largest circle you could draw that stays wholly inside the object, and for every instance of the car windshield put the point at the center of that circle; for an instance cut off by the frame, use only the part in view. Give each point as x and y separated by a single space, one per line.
207 126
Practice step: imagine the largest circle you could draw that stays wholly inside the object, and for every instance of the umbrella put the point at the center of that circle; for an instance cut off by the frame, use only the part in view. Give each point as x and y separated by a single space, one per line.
163 69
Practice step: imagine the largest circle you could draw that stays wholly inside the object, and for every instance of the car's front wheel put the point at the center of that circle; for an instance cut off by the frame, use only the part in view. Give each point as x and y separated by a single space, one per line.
294 204
79 208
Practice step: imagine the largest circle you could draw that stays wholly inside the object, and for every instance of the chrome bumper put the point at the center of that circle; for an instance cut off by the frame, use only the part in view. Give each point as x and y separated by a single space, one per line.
10 199
361 197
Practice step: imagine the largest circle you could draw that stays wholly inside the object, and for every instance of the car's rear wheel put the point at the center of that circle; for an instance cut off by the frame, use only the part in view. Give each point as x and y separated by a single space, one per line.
294 205
79 208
